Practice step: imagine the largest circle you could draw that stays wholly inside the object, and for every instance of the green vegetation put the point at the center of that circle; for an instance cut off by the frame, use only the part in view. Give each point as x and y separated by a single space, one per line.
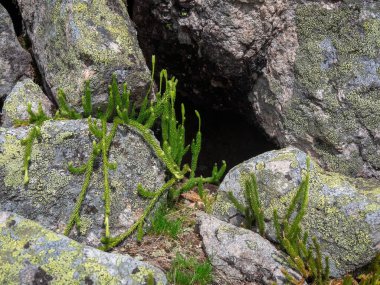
162 225
120 111
253 212
206 197
37 120
306 260
188 271
304 254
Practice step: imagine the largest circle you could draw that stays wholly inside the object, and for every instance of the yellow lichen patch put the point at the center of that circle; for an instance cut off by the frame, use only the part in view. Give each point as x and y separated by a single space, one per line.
222 204
25 240
12 160
142 274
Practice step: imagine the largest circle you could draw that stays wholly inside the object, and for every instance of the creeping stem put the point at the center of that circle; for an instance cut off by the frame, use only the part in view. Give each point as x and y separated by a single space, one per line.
74 218
117 240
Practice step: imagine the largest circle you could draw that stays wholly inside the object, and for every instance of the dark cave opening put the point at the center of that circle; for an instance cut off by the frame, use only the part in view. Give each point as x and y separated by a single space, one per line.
130 4
12 7
229 131
226 135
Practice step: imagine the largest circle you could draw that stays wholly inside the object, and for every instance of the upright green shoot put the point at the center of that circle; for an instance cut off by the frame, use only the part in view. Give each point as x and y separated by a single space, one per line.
36 119
253 212
120 111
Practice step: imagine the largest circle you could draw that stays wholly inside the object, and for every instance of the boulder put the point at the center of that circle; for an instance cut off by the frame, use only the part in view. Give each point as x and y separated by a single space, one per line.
31 254
15 62
306 71
52 191
343 213
212 46
240 256
16 104
85 40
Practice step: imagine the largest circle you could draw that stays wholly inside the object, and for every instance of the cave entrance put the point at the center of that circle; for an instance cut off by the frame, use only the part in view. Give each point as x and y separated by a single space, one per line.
226 135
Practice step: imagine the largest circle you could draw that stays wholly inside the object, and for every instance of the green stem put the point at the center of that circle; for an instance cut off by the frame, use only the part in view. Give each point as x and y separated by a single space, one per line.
117 240
107 200
75 214
149 138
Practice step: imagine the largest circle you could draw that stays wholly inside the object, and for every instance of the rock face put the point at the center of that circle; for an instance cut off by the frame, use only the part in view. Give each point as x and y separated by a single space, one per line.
16 104
84 40
243 257
15 62
50 196
343 212
215 46
30 254
307 71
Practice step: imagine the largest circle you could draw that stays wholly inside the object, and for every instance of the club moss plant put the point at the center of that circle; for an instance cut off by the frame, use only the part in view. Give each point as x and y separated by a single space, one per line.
120 111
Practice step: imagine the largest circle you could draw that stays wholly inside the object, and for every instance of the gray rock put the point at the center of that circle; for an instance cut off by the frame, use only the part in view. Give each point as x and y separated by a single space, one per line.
16 104
15 62
31 254
50 196
211 45
321 94
343 213
241 256
85 40
306 71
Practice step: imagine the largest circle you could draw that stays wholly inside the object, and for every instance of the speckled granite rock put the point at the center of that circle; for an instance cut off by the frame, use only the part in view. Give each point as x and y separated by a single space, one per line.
343 212
31 254
52 191
79 40
15 62
306 71
16 103
240 255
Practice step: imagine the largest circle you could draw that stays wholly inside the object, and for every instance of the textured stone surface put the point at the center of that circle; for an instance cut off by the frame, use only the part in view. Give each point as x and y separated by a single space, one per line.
240 255
306 71
330 106
16 104
211 45
31 254
52 191
343 212
84 40
15 62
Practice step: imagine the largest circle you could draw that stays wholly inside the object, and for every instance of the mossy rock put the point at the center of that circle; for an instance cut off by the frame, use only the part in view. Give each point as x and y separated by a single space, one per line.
343 212
324 99
52 191
31 254
85 40
16 103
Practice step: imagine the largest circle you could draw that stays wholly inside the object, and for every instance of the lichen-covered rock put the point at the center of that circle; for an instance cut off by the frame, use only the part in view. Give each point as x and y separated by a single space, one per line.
52 191
15 62
329 105
85 40
16 104
240 255
343 213
306 71
31 254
